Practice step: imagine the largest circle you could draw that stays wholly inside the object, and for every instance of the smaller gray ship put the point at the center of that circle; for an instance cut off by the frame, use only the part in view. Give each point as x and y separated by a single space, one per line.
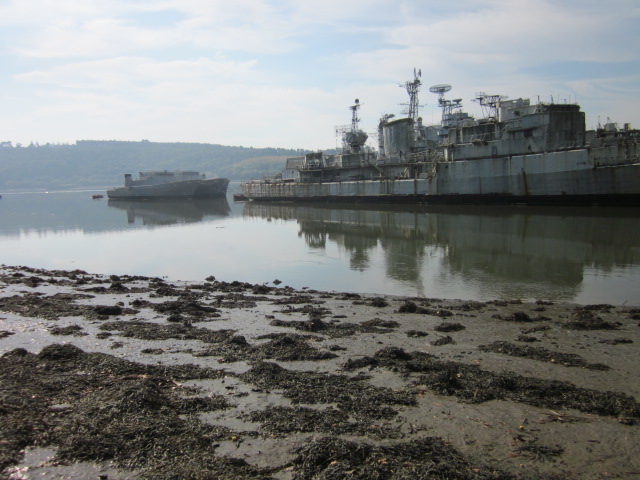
169 184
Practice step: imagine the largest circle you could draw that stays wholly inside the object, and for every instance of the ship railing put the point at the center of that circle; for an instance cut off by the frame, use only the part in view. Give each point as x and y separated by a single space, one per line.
560 146
424 157
480 138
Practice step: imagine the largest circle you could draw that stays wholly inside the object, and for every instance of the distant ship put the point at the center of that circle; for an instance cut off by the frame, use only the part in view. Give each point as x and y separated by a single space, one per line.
169 184
520 152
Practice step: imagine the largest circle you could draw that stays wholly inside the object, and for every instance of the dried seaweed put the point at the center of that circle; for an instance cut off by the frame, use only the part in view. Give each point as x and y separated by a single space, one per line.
428 458
542 354
96 407
449 327
349 393
469 383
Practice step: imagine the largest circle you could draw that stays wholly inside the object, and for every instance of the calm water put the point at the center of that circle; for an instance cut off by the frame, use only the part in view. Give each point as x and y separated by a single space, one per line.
584 255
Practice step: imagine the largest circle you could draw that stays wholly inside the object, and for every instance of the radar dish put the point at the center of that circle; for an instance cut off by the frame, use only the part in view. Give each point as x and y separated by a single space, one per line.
440 88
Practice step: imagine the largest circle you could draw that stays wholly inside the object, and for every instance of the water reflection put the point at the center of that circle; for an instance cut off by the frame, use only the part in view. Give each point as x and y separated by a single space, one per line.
500 251
170 212
586 255
76 211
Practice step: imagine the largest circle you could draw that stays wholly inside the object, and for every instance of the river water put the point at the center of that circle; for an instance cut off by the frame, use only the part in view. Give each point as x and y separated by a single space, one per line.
583 255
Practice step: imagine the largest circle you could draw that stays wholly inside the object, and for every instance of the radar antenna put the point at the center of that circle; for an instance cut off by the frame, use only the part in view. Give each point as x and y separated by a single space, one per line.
448 106
440 89
413 87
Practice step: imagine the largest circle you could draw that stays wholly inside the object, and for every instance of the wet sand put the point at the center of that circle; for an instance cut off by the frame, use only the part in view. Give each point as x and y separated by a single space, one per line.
137 377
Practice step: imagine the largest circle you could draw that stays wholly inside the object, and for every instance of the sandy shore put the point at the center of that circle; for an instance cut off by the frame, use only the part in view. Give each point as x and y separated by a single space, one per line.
136 377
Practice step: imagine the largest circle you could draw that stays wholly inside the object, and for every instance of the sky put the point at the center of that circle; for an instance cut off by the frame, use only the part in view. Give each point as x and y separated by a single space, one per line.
283 73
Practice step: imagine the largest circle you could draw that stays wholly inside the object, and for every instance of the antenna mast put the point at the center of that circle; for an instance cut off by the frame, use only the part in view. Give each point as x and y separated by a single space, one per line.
446 105
412 89
353 139
354 115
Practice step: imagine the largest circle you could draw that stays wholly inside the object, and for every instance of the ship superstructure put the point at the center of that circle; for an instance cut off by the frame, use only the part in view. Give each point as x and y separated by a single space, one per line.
518 151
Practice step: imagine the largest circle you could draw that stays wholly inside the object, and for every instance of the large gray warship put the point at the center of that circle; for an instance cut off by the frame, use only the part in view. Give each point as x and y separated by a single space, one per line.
519 152
169 184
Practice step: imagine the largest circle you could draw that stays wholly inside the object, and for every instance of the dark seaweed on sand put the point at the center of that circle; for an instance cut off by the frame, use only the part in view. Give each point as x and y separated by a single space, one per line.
96 407
59 305
154 331
349 393
336 329
75 330
521 317
584 318
471 384
409 306
283 347
428 458
542 354
280 421
416 333
449 327
446 340
538 452
186 307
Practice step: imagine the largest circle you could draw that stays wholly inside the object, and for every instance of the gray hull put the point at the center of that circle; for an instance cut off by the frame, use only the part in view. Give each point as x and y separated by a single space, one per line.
215 187
558 177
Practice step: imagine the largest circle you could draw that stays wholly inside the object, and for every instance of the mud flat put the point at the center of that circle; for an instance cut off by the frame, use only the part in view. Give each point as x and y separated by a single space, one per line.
134 377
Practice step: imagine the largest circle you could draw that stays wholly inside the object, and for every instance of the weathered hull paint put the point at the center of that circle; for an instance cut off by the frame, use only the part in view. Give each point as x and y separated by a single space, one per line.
566 177
214 187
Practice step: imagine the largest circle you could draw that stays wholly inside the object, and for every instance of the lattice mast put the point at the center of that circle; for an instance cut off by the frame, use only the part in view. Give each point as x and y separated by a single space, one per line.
354 115
413 87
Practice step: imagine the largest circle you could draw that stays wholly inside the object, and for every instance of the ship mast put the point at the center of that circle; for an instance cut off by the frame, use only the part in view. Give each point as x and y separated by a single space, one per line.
413 87
448 106
353 139
354 115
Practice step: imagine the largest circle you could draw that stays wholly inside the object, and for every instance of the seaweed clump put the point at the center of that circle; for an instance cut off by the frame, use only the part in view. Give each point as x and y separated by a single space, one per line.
446 340
585 319
520 317
75 330
53 307
349 393
336 329
542 354
469 383
96 407
421 459
283 347
280 421
449 327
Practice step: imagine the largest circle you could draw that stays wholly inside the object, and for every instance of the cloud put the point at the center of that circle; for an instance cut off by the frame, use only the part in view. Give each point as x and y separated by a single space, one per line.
283 72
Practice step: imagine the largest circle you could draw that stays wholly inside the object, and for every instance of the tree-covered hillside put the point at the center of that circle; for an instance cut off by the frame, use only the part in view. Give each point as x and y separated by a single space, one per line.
104 163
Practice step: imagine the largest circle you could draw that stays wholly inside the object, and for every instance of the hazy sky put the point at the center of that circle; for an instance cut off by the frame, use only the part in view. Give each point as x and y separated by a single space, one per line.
283 73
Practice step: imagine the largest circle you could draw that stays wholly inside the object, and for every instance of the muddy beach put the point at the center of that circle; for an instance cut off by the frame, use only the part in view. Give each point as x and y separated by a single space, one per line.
114 377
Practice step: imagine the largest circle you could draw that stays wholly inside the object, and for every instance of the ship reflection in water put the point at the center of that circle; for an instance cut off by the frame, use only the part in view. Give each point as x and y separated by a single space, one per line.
480 251
583 255
171 211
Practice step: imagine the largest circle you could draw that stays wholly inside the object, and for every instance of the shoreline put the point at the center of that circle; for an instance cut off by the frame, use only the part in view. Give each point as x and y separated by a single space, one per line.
167 378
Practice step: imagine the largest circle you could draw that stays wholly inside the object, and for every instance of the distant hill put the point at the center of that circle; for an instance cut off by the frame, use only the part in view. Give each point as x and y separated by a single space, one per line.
104 163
